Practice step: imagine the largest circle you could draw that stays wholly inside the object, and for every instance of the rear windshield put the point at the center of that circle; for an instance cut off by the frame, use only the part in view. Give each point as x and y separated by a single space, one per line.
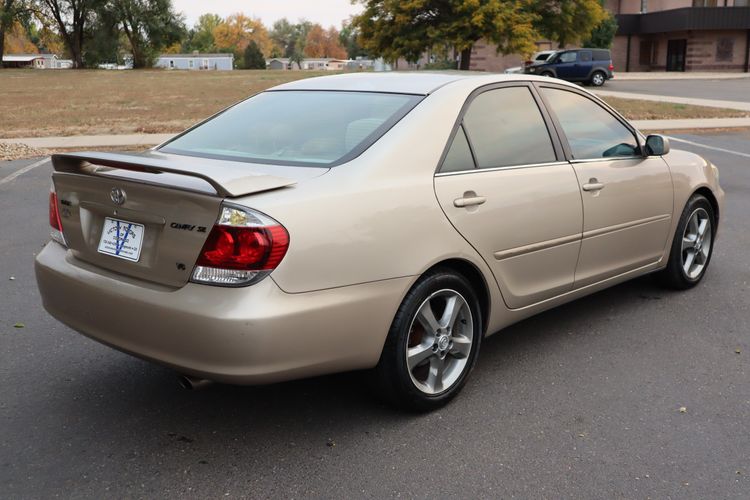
307 128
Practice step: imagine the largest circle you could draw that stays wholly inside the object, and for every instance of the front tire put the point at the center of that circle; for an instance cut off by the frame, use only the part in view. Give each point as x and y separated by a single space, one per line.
432 344
692 245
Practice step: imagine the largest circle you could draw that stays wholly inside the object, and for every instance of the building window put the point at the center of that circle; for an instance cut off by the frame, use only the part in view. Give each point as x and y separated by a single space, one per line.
704 3
644 6
741 3
646 55
190 63
724 49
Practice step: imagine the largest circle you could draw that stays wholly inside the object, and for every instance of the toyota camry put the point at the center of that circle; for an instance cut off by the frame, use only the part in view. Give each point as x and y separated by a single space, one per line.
380 222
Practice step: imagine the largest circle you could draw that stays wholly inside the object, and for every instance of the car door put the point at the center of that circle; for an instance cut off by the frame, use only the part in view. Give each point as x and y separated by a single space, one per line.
565 65
505 186
627 197
583 65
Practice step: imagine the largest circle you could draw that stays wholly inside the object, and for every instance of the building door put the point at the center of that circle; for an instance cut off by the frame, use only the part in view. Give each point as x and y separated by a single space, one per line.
676 55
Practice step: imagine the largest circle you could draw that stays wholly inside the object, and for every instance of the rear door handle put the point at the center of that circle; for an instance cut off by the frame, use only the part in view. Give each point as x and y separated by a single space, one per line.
469 201
593 185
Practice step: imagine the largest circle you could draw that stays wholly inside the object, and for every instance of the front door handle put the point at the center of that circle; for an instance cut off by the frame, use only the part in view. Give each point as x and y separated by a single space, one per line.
593 185
468 201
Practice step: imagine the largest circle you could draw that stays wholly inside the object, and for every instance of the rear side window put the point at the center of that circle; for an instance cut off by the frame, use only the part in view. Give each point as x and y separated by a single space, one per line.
592 132
601 55
584 56
306 128
506 128
459 155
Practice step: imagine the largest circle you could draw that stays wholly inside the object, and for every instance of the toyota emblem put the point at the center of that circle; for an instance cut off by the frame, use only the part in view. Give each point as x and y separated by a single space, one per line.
117 196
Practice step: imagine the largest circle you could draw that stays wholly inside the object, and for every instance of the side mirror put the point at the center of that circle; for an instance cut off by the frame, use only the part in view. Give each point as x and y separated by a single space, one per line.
657 145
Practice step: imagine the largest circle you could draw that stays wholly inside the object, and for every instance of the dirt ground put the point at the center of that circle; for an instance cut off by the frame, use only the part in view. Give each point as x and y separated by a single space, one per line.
37 103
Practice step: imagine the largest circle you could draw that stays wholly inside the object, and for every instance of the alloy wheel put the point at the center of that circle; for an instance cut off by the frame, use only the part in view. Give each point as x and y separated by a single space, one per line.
696 243
439 341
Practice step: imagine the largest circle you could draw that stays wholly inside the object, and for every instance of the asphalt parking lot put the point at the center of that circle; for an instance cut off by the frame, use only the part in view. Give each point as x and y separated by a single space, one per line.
723 90
580 402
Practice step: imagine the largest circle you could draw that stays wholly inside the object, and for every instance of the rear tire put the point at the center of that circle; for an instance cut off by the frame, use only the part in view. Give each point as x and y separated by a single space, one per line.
598 78
692 245
432 344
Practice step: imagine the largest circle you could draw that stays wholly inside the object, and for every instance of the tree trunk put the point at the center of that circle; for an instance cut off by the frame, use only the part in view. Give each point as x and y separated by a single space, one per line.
465 63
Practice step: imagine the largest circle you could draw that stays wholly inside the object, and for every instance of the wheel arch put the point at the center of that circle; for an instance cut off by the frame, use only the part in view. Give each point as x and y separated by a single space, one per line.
469 271
709 195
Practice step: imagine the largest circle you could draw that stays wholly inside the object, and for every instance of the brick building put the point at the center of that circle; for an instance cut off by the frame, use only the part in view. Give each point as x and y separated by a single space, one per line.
661 35
681 35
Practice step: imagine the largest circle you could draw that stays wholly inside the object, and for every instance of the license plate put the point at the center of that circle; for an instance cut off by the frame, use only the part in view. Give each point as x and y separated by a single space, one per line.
121 239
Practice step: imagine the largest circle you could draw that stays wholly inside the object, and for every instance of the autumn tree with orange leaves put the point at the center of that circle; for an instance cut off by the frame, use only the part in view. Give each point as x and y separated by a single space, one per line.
236 32
322 43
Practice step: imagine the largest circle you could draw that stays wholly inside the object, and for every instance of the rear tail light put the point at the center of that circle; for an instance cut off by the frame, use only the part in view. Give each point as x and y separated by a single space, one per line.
243 247
54 219
611 66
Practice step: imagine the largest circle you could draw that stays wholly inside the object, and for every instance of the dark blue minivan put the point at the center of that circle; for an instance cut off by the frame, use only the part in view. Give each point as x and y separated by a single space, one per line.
592 66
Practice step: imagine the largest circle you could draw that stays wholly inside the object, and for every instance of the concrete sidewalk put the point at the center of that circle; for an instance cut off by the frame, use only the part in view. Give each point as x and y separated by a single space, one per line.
691 124
677 75
711 103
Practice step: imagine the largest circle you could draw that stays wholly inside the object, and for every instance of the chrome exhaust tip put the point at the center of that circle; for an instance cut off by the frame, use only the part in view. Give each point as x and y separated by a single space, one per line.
193 383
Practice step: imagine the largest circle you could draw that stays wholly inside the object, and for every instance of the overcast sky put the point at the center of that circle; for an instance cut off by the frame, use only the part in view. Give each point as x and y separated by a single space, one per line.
325 12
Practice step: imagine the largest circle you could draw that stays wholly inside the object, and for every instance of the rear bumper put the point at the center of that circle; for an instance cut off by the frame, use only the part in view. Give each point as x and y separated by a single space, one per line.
252 335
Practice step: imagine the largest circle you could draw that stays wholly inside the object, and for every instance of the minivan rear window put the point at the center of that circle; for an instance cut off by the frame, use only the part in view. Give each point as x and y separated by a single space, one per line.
296 127
601 55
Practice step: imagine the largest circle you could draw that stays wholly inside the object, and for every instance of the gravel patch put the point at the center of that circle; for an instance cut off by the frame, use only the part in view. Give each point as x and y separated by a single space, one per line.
10 151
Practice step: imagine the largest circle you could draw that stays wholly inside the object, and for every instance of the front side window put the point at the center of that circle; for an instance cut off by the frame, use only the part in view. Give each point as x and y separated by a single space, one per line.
306 128
592 132
567 57
506 128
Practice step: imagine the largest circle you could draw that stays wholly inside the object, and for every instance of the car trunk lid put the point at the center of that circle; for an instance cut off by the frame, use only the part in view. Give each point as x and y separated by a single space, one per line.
165 204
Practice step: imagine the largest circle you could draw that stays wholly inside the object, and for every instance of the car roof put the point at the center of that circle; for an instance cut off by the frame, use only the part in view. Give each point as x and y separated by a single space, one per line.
402 82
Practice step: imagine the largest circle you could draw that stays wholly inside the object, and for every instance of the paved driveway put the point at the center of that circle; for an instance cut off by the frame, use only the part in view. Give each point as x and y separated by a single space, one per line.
580 402
723 90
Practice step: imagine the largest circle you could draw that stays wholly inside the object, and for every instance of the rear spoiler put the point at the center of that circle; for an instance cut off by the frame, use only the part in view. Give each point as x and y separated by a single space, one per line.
230 179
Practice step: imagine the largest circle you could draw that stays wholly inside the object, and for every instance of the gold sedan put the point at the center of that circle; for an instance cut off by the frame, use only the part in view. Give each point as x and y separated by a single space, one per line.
368 221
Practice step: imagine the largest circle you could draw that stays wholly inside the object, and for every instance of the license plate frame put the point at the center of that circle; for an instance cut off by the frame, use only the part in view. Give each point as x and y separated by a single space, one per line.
122 239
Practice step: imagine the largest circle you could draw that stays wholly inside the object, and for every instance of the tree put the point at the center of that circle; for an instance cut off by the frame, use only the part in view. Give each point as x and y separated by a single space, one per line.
284 36
603 34
17 40
253 57
290 39
322 43
201 37
105 41
237 31
567 21
72 18
315 42
149 25
348 38
7 21
333 47
393 29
